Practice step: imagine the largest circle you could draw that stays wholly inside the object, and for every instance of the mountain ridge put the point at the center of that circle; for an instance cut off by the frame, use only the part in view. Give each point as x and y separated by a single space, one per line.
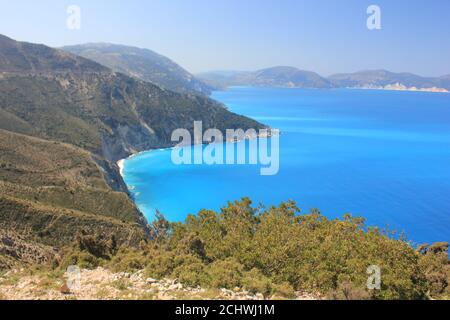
292 77
25 57
279 76
143 64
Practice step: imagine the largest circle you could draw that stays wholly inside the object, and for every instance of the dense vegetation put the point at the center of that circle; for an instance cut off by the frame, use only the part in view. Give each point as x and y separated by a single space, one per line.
276 251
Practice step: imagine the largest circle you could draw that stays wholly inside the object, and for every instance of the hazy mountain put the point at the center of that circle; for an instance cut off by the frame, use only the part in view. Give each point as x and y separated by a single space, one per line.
142 64
224 79
64 122
272 77
444 82
290 77
382 78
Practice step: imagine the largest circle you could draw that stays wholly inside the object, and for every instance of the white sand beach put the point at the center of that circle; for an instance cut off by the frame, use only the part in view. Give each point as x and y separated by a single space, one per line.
121 165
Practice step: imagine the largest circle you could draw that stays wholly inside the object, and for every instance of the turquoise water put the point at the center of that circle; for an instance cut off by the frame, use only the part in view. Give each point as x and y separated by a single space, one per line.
377 154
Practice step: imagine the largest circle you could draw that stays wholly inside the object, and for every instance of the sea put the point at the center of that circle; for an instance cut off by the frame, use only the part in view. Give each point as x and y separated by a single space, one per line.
381 155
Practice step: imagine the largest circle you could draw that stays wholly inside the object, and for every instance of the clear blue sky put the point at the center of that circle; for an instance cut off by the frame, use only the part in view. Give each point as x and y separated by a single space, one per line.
326 36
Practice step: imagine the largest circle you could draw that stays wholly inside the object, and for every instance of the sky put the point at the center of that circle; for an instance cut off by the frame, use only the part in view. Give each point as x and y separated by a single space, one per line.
326 36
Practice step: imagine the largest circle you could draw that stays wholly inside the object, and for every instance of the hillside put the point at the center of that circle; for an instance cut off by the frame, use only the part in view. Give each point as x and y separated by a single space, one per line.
142 64
444 82
272 77
26 58
109 114
50 193
65 122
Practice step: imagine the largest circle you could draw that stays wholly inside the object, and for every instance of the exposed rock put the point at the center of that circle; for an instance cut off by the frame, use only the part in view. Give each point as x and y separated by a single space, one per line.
101 284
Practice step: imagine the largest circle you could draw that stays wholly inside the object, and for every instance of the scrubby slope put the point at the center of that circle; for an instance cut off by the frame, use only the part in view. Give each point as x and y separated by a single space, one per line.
50 192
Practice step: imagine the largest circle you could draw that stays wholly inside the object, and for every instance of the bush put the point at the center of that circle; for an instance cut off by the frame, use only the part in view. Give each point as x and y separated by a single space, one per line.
160 263
225 274
255 282
128 260
284 290
348 291
279 250
81 259
436 267
190 271
308 251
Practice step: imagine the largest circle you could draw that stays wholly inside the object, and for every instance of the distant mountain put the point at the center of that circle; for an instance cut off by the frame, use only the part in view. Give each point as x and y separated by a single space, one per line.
143 64
64 122
290 77
444 82
224 79
381 78
272 77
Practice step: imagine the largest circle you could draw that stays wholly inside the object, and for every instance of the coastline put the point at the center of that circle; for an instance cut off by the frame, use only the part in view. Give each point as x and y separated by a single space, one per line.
392 87
121 162
121 165
402 89
270 133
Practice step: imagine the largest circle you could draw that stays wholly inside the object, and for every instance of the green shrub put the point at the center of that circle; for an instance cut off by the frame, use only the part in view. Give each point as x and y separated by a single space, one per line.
190 271
225 274
279 250
81 259
436 267
284 290
255 282
128 260
348 291
160 264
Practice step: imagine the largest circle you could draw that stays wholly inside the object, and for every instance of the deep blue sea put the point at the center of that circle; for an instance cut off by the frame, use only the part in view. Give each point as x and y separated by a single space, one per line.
383 155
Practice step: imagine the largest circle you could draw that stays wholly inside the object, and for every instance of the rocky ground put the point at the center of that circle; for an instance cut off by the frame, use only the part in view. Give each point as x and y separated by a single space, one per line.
101 284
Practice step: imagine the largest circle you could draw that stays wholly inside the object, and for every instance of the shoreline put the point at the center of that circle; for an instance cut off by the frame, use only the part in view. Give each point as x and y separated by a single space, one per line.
375 88
121 162
121 165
